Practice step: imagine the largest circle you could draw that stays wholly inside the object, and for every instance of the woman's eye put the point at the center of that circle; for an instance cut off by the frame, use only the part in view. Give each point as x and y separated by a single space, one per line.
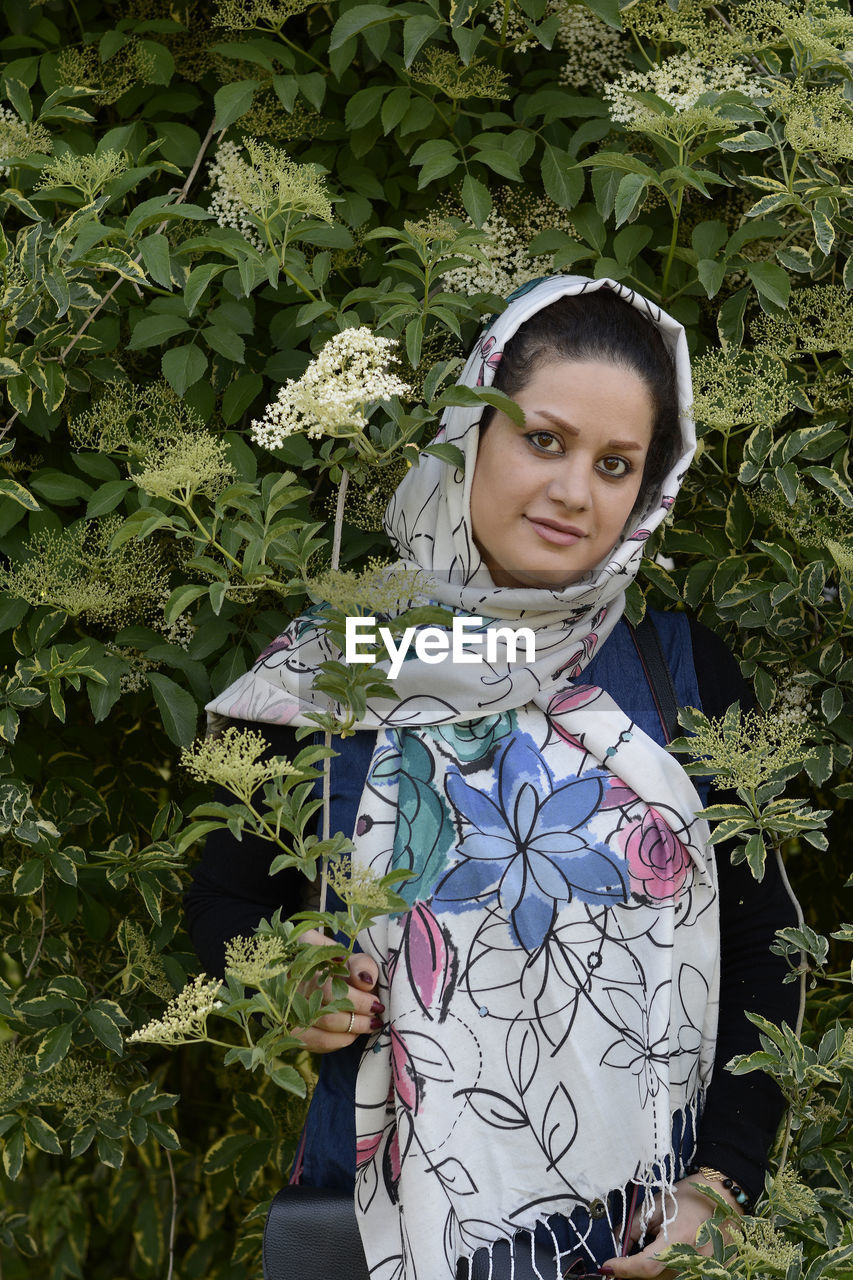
613 466
545 440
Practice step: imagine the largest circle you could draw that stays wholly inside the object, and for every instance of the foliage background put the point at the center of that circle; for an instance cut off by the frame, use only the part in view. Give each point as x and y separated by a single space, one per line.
150 308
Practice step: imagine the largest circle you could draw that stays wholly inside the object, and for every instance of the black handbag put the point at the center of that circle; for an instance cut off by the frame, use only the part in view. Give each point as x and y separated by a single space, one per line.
311 1233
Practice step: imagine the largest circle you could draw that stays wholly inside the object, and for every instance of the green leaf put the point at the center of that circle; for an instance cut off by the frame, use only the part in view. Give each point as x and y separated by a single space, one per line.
711 275
499 161
17 492
562 177
771 281
8 368
476 200
832 481
42 1135
105 1028
183 366
178 709
156 257
608 10
450 453
730 318
107 497
752 140
28 878
13 1153
233 101
198 281
630 193
226 342
54 1046
416 31
19 96
154 330
239 395
117 260
824 231
359 19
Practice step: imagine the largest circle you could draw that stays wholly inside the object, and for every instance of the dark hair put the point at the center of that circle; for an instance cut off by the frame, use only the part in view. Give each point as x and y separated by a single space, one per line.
600 326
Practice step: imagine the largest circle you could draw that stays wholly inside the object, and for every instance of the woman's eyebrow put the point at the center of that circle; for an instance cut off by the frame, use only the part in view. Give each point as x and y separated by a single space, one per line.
574 431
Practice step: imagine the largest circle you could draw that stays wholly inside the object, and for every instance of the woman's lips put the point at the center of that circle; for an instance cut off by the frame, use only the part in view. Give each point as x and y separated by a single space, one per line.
562 535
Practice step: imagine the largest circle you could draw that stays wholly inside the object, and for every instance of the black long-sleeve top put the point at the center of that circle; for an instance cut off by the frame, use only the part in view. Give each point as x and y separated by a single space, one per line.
232 891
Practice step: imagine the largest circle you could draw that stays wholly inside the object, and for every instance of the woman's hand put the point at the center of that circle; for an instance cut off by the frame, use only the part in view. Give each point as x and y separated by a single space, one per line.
333 1030
694 1208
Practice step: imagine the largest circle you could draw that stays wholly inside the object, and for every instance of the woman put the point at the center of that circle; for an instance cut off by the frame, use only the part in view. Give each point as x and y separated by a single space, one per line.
542 1023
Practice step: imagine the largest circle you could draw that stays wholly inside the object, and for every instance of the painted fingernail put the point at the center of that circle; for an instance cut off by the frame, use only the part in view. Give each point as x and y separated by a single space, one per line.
375 1024
606 1271
377 1007
366 976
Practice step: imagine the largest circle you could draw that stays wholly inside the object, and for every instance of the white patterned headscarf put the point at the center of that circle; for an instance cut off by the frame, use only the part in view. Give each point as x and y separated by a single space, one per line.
551 995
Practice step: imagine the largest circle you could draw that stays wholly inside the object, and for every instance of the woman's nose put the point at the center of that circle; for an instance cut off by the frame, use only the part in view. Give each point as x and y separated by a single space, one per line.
570 485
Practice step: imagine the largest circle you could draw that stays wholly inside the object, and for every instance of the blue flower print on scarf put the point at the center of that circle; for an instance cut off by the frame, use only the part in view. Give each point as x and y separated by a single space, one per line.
527 845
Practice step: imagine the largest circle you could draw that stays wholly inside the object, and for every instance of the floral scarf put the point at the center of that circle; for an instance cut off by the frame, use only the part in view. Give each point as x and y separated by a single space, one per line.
551 993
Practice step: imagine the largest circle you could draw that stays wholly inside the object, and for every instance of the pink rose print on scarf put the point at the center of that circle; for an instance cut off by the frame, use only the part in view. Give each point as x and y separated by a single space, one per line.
366 1148
571 700
617 794
657 860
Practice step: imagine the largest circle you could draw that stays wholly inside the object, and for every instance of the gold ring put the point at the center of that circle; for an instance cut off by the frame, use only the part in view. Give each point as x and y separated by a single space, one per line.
351 1024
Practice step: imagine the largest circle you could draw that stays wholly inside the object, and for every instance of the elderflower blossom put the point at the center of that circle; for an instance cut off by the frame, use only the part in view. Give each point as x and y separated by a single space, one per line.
739 389
792 1198
360 887
680 81
817 319
507 235
76 570
88 173
746 749
509 23
245 15
261 195
447 72
226 205
330 398
818 120
184 1018
254 961
594 51
179 469
381 588
232 760
762 1248
792 706
18 139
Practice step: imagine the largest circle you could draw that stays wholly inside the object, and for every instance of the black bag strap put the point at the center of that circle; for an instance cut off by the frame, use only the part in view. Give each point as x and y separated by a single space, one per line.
651 654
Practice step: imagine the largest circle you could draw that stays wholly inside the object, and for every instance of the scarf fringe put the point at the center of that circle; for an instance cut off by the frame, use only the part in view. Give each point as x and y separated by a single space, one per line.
620 1203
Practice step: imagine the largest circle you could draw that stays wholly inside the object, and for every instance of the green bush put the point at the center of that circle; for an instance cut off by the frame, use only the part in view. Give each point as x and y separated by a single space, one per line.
198 198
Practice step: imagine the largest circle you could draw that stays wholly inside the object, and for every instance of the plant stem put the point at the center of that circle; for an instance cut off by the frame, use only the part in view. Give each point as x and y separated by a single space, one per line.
327 737
673 242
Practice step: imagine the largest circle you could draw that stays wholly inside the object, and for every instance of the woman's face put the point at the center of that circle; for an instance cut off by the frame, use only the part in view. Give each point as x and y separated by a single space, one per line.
549 500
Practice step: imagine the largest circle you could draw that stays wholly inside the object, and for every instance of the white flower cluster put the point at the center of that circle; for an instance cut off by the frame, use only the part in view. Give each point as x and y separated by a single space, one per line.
792 707
185 1017
227 175
680 80
18 139
511 23
350 372
595 52
510 265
